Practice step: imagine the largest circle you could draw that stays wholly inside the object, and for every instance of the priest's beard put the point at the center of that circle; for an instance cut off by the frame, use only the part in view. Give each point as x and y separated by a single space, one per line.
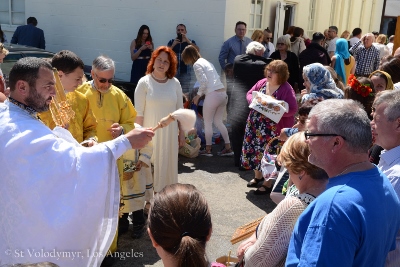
36 101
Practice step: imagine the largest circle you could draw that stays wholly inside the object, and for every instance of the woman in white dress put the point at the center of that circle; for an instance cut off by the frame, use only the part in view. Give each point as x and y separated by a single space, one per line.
158 94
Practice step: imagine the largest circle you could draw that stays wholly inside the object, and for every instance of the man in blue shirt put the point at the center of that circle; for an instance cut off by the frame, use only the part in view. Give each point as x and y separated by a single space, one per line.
355 221
234 46
29 34
178 44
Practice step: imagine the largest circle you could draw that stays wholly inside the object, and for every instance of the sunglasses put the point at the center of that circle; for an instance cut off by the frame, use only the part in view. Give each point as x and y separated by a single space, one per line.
279 43
307 135
103 80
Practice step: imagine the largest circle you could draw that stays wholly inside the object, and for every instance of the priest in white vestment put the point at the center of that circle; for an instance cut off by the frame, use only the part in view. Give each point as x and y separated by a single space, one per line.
59 202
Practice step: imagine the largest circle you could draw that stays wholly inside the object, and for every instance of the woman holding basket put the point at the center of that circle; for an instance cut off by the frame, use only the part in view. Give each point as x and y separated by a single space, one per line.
259 128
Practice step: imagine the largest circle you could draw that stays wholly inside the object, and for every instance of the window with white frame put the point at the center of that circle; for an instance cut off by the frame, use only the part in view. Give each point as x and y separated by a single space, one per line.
311 18
256 14
12 12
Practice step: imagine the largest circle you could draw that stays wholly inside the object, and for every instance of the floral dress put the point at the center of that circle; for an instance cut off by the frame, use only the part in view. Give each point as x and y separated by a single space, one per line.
259 131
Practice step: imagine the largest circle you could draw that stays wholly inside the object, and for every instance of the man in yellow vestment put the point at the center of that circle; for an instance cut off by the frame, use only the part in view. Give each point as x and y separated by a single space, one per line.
70 70
112 108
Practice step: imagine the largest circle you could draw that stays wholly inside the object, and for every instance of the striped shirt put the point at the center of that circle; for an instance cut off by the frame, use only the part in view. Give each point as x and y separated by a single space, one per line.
390 166
232 48
367 59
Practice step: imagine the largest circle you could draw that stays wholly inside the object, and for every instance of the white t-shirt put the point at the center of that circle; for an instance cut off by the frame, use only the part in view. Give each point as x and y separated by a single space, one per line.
332 45
390 47
353 40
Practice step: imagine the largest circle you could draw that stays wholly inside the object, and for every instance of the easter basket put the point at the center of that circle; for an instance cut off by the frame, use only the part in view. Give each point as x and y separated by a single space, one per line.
269 106
191 150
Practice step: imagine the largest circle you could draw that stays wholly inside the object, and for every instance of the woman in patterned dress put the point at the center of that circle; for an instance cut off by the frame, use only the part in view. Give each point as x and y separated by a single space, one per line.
260 129
269 244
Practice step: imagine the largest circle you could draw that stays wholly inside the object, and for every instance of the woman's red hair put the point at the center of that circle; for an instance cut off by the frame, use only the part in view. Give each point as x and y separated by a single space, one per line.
173 62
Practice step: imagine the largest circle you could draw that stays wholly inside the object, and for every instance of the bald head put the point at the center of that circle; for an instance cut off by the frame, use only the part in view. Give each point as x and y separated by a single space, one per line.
368 39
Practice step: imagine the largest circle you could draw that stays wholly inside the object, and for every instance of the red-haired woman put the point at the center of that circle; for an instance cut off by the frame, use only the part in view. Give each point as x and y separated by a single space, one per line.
158 94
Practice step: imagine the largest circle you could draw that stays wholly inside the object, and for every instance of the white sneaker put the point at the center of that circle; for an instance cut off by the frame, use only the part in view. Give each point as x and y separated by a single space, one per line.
226 152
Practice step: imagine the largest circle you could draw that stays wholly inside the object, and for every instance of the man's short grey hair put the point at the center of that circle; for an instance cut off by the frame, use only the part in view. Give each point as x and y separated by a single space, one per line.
392 100
253 47
347 118
103 63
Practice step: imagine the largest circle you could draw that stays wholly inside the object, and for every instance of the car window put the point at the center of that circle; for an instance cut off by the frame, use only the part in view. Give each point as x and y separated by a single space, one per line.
39 55
8 62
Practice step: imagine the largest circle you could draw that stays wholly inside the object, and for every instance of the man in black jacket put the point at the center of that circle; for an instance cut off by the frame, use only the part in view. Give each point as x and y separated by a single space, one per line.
248 69
314 53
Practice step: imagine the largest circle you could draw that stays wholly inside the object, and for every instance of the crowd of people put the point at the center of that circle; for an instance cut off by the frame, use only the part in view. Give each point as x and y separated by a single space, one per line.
104 165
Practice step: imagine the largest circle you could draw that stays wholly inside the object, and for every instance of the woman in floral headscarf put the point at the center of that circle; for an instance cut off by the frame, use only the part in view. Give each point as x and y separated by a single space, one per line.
319 83
343 63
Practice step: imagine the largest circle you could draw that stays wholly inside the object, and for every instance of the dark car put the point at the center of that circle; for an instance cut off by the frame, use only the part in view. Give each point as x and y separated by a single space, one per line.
17 52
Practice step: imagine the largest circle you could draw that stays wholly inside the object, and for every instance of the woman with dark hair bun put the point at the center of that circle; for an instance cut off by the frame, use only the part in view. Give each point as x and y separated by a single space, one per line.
180 225
141 49
362 90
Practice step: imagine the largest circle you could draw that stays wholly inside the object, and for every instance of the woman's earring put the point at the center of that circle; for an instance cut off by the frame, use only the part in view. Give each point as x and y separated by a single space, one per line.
300 177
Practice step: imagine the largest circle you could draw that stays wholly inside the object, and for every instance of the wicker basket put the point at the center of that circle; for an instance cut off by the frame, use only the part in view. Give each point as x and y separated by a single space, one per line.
189 151
245 231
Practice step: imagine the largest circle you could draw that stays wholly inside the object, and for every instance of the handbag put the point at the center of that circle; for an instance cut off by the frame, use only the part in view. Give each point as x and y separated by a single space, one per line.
268 106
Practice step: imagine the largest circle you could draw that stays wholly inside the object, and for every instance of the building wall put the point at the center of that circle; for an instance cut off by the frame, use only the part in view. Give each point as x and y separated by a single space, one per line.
346 14
90 28
94 27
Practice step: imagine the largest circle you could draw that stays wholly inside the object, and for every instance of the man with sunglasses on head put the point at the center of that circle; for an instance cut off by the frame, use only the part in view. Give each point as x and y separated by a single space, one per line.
112 108
314 53
355 221
267 43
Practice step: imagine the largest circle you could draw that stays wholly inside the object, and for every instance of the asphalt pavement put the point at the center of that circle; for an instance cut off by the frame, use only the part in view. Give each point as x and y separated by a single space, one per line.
232 204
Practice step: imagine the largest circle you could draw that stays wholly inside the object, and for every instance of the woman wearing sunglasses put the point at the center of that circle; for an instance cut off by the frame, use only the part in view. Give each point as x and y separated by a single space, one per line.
158 94
284 53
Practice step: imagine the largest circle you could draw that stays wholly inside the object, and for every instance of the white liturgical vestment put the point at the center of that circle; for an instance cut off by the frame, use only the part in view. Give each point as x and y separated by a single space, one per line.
59 202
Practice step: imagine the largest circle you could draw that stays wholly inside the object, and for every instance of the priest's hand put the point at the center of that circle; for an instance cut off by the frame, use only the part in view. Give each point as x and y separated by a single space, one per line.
139 137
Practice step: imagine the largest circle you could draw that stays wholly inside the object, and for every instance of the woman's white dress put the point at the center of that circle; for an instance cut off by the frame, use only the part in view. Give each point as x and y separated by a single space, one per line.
153 101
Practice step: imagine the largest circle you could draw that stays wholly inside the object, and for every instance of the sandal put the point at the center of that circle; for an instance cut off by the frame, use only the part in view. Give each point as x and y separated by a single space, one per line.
255 183
264 192
206 153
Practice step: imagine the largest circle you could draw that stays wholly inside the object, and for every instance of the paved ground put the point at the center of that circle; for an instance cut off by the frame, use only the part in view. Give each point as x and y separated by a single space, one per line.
232 204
